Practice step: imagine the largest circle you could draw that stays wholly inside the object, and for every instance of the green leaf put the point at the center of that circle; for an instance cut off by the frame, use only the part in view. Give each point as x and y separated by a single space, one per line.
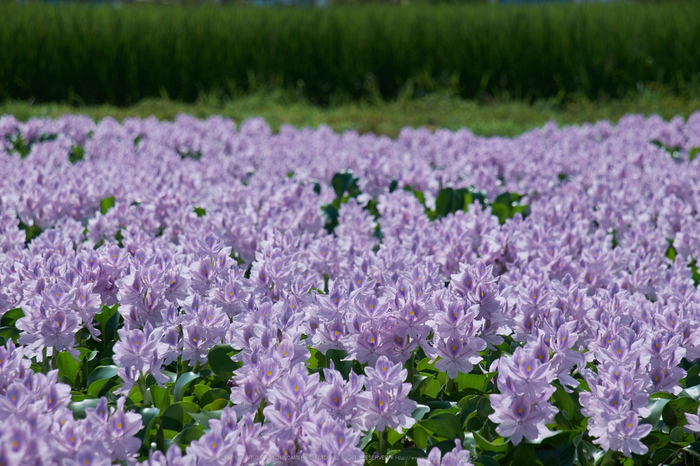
213 395
479 382
671 252
106 204
693 449
364 441
216 405
563 401
78 407
678 434
187 436
431 388
420 412
96 387
161 397
444 425
199 390
188 406
425 364
486 460
341 366
10 318
101 373
656 410
200 212
674 412
109 327
660 456
490 446
173 418
693 377
67 366
203 417
76 153
500 211
558 449
221 363
148 415
394 436
449 201
9 333
104 315
182 382
419 436
655 440
406 456
693 153
484 409
343 182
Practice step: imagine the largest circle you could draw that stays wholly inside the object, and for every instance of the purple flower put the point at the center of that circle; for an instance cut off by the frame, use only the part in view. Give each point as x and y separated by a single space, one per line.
458 356
519 417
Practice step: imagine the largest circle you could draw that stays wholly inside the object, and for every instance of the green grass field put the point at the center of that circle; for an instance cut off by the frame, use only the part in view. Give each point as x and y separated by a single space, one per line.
96 54
437 110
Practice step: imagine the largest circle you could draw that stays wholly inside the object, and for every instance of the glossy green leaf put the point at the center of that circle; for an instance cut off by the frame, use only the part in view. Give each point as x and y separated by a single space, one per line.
187 436
95 389
148 415
673 413
68 366
203 417
106 204
216 405
431 388
490 446
188 406
692 379
10 318
173 417
344 182
563 401
161 397
406 457
420 412
445 425
693 449
79 407
199 390
182 382
102 373
484 409
9 333
220 361
213 395
479 382
655 440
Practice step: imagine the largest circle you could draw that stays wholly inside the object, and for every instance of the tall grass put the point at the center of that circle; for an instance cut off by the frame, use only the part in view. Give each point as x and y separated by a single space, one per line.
119 55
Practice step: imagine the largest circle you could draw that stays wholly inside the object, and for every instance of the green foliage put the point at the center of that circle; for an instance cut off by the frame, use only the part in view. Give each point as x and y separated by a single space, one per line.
450 200
89 54
106 204
76 153
221 363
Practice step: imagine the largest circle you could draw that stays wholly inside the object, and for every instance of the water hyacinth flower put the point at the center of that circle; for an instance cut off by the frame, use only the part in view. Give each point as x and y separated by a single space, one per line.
456 457
580 282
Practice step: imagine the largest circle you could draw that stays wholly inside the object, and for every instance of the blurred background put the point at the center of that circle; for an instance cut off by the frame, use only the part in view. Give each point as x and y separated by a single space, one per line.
497 67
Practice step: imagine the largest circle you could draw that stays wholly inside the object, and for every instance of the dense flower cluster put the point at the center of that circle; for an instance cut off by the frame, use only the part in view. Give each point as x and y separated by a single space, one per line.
38 427
218 235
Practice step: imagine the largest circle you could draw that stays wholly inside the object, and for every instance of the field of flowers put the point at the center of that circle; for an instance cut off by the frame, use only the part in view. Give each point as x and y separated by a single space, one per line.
196 293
